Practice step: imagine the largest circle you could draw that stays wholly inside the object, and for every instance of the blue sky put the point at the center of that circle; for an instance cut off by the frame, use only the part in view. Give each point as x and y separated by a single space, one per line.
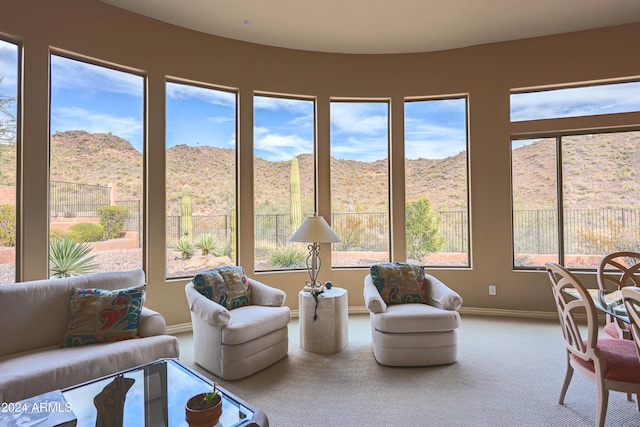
98 99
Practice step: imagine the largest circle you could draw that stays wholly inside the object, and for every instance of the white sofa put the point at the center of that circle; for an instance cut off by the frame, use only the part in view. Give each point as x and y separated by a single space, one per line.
414 334
34 317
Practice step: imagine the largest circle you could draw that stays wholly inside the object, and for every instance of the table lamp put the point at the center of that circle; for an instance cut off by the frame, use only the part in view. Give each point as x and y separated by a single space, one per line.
314 230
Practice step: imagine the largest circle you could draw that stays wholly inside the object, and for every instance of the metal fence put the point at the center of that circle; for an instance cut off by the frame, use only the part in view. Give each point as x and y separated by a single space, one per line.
586 231
359 231
218 225
69 200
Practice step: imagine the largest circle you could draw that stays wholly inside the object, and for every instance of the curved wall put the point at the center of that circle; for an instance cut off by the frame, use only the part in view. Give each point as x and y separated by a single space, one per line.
486 73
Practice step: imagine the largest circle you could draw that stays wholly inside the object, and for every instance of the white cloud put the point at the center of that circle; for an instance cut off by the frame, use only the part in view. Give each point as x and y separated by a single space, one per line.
220 119
74 118
179 91
282 104
8 67
431 141
277 147
72 74
573 102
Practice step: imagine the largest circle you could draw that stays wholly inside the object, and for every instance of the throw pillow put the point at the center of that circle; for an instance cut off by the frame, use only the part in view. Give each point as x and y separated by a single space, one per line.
400 282
100 315
227 286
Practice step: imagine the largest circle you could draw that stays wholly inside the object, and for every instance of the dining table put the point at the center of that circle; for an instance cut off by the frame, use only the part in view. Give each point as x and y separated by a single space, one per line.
609 302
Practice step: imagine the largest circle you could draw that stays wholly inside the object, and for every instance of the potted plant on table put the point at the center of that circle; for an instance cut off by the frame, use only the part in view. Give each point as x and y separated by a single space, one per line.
204 409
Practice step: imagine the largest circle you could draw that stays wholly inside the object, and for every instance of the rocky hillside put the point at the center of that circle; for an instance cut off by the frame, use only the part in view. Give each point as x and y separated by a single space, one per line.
608 163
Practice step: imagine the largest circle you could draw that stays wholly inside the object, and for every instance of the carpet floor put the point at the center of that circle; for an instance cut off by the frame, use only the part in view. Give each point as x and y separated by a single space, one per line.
509 373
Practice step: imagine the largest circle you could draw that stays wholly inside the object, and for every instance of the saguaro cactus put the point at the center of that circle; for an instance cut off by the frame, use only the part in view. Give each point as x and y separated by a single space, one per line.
186 222
294 186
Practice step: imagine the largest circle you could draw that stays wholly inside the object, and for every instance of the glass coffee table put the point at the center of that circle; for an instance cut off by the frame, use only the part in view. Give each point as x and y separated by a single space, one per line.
155 395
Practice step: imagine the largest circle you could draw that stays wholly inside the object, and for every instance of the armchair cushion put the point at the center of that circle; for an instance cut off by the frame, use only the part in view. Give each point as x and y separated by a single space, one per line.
400 282
100 315
227 286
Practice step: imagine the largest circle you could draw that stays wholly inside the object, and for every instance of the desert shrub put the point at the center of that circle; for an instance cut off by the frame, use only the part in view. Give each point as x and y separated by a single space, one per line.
113 219
86 232
70 258
7 225
184 245
208 243
57 233
288 257
423 229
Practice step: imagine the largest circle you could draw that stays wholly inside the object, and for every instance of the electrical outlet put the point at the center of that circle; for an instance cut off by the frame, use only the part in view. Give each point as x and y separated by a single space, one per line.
492 290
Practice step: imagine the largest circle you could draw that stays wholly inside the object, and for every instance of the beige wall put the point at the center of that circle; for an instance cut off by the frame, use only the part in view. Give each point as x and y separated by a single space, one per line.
486 73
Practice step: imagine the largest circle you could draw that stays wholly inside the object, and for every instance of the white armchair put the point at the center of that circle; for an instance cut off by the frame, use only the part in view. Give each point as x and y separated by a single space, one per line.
414 333
236 343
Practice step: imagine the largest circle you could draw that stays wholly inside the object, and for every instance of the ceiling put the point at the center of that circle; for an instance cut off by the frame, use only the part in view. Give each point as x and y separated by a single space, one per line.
384 26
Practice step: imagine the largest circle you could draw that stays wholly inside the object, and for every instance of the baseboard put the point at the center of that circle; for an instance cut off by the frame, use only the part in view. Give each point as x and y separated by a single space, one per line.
471 311
179 328
501 312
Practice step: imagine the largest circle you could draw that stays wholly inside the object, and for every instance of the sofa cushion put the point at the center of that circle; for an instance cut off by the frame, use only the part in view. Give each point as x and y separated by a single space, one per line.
100 315
255 321
400 283
415 318
228 286
38 371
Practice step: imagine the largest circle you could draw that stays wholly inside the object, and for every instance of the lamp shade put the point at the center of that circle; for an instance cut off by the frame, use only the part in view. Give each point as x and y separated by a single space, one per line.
314 229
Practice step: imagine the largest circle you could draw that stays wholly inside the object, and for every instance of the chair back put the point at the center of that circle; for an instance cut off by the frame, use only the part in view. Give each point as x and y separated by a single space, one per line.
619 269
570 309
631 295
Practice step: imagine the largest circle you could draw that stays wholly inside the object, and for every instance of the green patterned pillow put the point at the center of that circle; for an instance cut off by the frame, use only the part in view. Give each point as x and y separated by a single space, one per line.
227 286
399 282
100 315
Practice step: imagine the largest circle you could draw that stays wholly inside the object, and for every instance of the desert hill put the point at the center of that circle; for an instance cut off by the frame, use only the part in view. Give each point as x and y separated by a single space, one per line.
600 172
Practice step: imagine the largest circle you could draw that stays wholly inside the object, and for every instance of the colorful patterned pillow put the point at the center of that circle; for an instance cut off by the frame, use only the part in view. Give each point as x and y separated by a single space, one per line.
399 282
99 315
228 286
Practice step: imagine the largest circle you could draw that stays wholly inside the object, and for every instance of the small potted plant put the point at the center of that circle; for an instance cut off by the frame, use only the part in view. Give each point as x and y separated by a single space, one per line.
204 409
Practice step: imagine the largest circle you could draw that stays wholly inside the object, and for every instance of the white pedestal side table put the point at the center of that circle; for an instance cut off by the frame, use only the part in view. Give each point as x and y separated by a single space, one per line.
329 333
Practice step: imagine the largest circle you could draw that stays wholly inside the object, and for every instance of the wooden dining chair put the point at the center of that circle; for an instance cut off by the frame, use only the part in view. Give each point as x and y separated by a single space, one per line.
616 271
631 296
612 364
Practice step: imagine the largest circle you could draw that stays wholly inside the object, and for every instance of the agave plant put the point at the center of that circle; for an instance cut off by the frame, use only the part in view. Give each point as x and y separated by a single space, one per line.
70 258
288 257
208 243
184 245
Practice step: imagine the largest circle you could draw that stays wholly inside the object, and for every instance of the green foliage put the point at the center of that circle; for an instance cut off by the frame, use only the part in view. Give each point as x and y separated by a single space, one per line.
113 219
57 233
423 229
8 123
184 245
208 243
86 232
288 257
7 225
294 187
351 231
69 258
186 221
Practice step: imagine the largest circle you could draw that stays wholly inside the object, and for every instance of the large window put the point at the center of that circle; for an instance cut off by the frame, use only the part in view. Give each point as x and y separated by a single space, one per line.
576 101
8 159
284 179
576 193
360 182
597 208
200 178
437 226
96 169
